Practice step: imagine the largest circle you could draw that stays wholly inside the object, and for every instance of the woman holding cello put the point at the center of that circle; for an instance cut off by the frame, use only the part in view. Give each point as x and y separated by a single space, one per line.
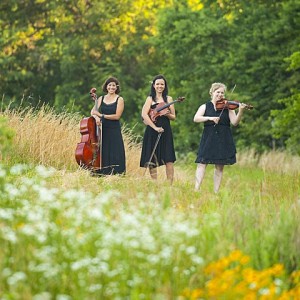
158 146
107 112
216 145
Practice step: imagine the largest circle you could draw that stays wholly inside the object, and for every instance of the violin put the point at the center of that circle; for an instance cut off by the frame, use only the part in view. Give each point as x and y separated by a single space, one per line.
162 109
88 152
232 105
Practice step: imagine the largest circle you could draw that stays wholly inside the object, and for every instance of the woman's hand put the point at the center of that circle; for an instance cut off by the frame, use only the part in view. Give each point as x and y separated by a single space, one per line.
242 106
215 119
159 129
98 120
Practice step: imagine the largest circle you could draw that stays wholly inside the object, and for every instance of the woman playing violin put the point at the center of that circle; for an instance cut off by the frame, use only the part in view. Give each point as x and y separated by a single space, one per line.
158 131
108 112
216 145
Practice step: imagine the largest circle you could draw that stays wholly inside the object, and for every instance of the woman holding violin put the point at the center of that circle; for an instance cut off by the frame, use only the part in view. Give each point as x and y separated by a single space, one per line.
216 145
158 146
107 112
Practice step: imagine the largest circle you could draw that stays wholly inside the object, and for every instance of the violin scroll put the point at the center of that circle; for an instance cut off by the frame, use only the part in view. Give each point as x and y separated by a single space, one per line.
180 99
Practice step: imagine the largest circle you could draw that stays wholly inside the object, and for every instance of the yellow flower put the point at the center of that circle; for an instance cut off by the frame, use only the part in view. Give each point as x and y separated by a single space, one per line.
277 269
296 276
197 293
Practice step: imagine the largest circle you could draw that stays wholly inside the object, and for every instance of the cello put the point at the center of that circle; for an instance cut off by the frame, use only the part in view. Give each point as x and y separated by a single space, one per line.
88 153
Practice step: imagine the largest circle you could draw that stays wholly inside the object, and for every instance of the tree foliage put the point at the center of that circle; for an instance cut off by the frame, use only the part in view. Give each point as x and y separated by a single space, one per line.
286 127
55 51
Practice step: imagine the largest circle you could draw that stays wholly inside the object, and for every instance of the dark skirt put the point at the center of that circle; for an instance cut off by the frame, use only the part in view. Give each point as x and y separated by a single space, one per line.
164 152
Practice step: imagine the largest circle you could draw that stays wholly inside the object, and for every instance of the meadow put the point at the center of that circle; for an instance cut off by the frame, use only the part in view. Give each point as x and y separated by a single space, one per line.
66 235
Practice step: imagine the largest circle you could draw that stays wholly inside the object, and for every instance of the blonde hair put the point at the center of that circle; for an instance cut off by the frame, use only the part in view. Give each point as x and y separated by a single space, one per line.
215 86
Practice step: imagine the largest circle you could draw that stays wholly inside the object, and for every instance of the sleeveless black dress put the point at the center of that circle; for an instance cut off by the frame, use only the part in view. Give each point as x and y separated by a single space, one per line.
164 152
113 151
216 144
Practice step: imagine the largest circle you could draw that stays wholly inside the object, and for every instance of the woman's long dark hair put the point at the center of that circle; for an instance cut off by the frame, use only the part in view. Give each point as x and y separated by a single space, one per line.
165 91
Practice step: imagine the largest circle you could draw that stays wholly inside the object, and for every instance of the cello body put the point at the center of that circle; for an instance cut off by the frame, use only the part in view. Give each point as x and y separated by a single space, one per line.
88 154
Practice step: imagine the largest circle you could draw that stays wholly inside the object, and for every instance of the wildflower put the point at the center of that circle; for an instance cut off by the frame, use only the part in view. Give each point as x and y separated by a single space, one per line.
44 171
16 278
42 296
18 169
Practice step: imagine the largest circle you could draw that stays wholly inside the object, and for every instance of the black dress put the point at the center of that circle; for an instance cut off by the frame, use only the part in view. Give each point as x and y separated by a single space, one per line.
216 144
113 151
164 152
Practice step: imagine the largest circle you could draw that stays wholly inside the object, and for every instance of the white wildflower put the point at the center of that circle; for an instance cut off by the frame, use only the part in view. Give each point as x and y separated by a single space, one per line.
9 235
83 263
190 250
6 214
42 296
18 169
78 195
198 260
6 272
264 291
28 181
153 259
2 172
104 253
48 269
44 171
11 190
16 278
28 230
166 252
63 297
252 285
95 287
45 194
278 282
95 213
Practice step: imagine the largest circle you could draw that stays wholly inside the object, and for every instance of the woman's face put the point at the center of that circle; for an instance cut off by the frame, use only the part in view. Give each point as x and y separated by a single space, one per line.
111 87
159 85
218 94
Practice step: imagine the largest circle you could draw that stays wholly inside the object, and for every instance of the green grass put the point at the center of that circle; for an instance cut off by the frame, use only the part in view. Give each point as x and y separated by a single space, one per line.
66 235
72 236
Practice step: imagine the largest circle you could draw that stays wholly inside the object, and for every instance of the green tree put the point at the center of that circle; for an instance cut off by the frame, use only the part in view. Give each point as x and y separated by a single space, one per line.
236 42
55 51
286 127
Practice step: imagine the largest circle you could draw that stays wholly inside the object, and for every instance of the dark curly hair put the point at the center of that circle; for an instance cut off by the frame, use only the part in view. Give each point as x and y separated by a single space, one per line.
108 81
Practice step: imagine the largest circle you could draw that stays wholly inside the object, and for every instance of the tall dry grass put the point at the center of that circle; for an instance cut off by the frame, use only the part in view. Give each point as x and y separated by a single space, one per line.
274 161
45 137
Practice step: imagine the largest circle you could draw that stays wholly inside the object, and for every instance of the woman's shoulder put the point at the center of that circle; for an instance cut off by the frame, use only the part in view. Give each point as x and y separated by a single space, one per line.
149 99
204 104
120 98
169 99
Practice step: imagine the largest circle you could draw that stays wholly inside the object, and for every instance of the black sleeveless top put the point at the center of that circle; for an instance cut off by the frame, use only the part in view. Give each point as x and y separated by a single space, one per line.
164 152
216 144
113 151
